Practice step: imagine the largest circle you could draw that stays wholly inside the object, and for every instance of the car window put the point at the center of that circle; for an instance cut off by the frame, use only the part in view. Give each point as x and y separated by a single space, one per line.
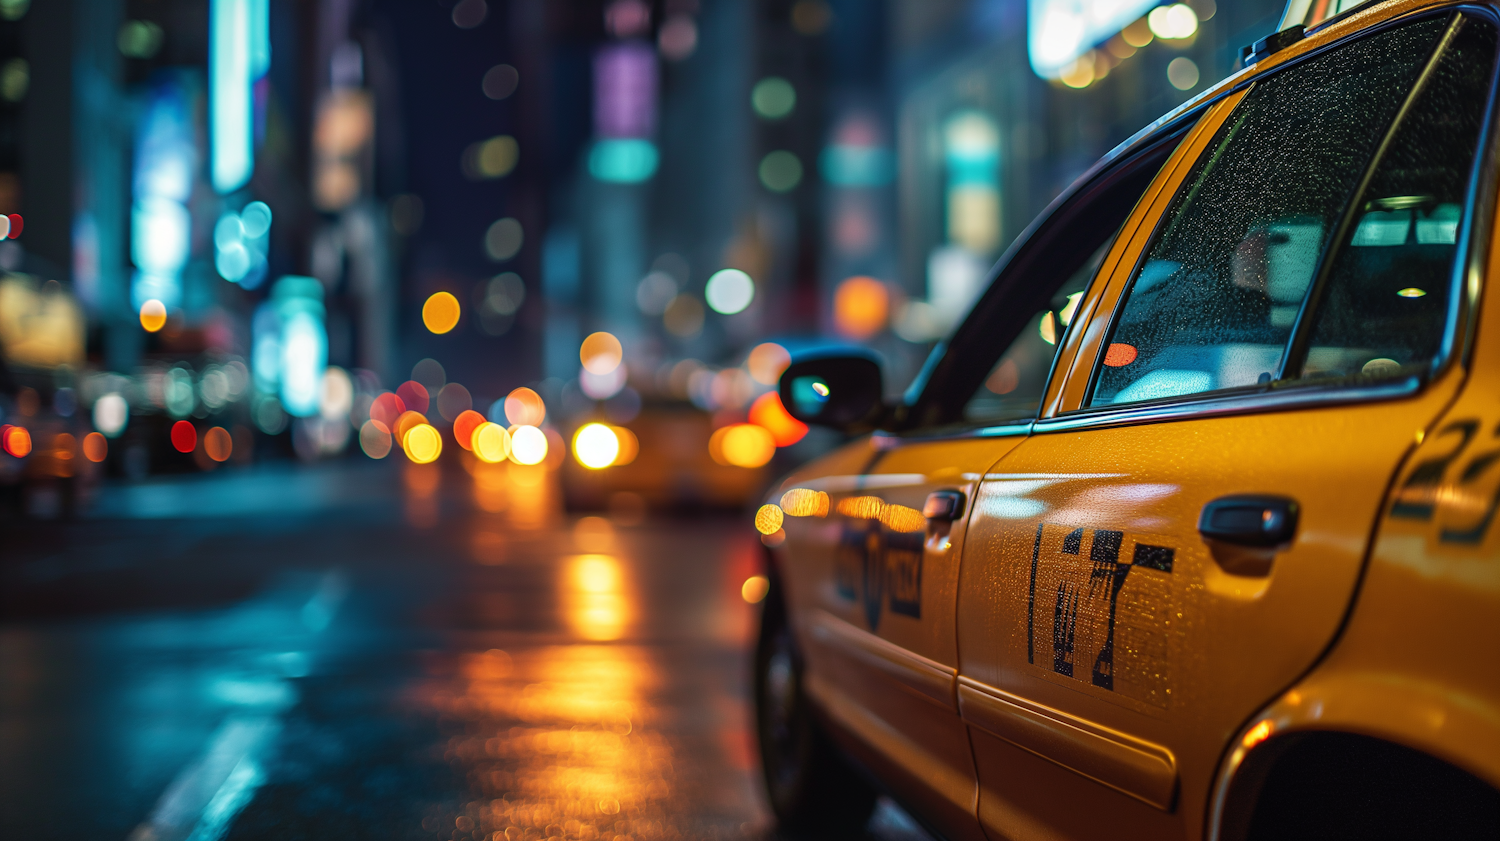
1213 303
1389 286
994 367
1013 389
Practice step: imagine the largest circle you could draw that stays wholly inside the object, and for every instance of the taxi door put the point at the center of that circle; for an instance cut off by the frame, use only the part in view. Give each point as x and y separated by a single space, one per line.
875 582
873 533
1181 536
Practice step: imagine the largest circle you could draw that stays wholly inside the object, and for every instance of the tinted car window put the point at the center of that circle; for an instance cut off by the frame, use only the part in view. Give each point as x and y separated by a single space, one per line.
1013 389
1389 285
1213 303
1039 275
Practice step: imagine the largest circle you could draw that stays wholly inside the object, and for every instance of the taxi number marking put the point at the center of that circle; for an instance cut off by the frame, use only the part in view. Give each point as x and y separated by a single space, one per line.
884 566
1104 622
1419 495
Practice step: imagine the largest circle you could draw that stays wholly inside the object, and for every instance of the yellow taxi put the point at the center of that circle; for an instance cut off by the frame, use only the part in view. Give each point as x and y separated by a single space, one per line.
1189 530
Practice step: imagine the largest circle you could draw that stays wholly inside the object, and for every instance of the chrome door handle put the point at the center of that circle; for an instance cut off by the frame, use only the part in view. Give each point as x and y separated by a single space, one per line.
1254 520
946 506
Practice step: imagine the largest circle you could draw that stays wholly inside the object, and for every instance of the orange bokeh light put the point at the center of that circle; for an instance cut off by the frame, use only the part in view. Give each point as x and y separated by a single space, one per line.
601 353
630 446
742 445
405 423
95 447
767 411
218 444
524 407
860 307
464 427
440 313
15 440
153 315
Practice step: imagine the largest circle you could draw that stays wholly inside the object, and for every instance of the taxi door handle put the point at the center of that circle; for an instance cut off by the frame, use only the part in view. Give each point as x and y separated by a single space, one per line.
945 506
1250 520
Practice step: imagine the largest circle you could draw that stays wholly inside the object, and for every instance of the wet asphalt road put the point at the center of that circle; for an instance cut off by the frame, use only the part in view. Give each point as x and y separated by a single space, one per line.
376 650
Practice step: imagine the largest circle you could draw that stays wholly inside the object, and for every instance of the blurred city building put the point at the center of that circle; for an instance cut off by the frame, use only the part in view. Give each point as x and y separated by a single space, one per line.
302 228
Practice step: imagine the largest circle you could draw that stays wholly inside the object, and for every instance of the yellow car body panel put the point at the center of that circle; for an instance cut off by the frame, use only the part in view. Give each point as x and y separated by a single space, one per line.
882 650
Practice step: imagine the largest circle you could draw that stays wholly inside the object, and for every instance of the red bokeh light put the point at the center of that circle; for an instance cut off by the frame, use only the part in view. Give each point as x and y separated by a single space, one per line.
184 437
464 426
386 408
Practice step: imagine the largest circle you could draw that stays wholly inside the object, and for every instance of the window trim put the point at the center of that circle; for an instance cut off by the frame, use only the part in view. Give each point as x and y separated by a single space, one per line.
1467 281
1213 404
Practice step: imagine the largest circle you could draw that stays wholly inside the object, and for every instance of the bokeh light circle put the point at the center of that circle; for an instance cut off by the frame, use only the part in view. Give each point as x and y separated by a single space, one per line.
528 445
861 306
153 315
595 446
405 423
111 413
15 440
184 437
453 400
440 313
95 447
414 396
491 443
741 445
729 291
767 361
218 444
780 171
630 445
755 588
423 443
464 427
386 408
773 98
768 519
601 386
748 445
601 353
524 407
375 439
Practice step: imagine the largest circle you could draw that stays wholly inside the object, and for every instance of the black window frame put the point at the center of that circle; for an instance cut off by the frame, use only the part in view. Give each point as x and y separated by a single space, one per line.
934 402
1459 325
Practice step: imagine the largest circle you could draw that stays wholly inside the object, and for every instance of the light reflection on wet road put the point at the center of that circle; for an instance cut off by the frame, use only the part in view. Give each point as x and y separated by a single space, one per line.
383 650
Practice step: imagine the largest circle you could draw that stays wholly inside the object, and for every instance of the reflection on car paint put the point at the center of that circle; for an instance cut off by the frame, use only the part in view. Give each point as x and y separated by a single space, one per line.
880 552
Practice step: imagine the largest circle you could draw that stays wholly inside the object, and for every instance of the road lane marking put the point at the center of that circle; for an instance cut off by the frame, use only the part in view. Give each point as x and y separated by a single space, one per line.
203 800
227 772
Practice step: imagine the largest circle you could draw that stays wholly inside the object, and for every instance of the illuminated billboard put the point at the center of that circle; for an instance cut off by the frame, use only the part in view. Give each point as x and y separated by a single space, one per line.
1059 31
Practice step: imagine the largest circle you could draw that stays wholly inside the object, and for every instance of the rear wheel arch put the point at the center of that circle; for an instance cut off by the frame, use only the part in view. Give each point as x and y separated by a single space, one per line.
1329 785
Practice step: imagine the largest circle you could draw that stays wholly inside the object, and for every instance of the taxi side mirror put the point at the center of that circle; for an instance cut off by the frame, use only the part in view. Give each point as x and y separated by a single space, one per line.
843 390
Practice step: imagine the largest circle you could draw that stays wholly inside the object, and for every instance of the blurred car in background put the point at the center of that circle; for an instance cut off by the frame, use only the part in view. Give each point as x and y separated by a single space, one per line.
666 462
